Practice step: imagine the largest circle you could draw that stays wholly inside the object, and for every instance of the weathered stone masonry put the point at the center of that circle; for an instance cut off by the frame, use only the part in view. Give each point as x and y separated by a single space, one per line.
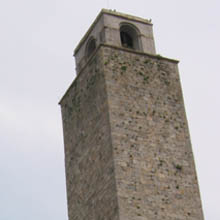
128 154
88 149
154 167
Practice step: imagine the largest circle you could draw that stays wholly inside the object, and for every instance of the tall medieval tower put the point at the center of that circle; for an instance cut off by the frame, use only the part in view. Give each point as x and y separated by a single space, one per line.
127 147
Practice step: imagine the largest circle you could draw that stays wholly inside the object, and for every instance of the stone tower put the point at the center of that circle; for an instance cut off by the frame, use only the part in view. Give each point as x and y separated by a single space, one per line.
127 146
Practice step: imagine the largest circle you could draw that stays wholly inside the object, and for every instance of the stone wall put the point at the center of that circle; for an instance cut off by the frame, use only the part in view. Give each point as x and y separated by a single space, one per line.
154 166
91 189
127 147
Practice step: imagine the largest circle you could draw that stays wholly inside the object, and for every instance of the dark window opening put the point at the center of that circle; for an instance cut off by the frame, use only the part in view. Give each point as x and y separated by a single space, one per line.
91 47
126 40
129 36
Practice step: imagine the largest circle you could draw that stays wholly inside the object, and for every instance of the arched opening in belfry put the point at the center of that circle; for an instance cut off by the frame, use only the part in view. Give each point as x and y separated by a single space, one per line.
126 40
91 46
129 37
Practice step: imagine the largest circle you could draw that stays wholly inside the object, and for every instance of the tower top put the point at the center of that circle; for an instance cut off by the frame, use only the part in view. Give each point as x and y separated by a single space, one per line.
112 13
118 30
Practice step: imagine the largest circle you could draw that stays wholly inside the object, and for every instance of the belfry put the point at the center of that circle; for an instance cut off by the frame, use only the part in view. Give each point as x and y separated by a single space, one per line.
128 154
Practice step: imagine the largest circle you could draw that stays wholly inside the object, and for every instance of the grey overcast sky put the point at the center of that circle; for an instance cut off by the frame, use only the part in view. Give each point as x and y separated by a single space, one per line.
37 38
